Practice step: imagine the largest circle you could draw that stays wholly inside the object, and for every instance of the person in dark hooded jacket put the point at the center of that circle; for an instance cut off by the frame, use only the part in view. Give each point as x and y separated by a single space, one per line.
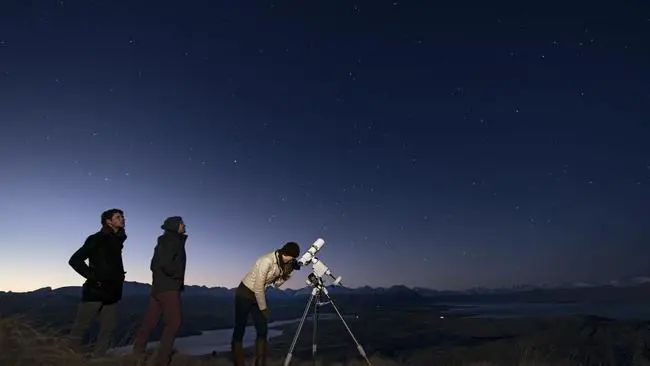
168 281
104 276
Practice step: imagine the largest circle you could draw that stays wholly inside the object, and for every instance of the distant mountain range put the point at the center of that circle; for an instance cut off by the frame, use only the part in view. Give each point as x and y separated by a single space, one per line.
627 282
137 288
204 308
207 308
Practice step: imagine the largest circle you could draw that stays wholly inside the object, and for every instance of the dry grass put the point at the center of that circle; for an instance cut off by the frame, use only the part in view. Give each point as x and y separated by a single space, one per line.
23 345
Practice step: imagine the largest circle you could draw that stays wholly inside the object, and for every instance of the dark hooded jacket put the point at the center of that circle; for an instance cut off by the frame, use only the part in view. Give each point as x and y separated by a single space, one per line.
104 272
169 259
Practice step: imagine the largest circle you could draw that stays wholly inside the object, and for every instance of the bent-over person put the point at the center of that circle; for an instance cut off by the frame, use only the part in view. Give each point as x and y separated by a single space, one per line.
273 268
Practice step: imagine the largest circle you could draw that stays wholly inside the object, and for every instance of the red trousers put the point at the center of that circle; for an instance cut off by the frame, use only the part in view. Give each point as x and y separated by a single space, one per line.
167 304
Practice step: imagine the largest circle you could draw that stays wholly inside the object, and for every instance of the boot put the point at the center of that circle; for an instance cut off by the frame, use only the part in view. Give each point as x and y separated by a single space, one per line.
140 356
260 351
237 349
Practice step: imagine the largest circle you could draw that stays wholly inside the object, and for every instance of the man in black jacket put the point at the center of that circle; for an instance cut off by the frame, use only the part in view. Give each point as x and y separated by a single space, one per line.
104 276
168 272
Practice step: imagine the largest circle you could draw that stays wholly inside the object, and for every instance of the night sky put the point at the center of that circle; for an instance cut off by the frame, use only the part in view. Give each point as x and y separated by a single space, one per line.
430 144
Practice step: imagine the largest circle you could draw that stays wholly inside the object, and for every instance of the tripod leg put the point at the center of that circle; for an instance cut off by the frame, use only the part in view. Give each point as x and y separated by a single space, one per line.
287 360
362 352
314 344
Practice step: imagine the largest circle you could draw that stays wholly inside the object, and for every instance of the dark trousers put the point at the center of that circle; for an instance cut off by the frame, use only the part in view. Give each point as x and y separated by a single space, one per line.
87 312
245 305
167 304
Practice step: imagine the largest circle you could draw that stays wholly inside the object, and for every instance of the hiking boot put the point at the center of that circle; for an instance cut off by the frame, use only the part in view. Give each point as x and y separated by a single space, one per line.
260 351
237 349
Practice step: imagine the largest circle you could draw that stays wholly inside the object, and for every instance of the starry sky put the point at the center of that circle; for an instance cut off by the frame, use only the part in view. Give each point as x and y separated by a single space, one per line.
430 144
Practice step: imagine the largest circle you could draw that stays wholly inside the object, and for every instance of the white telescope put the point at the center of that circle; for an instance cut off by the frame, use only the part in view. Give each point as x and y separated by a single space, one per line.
319 268
309 254
319 297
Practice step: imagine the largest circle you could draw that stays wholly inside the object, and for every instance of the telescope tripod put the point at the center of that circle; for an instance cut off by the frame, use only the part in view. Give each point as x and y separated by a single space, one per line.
317 295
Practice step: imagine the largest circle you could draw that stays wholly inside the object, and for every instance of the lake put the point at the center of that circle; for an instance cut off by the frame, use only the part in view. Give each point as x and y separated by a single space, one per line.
620 311
219 340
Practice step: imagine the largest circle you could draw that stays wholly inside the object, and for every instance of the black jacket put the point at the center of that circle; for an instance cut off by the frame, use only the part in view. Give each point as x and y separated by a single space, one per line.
104 272
168 263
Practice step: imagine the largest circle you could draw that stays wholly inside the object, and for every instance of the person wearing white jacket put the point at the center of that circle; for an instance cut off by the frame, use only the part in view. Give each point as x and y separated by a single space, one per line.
275 269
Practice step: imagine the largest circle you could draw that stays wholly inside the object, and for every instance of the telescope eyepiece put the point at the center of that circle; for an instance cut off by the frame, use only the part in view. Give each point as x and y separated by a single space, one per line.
295 265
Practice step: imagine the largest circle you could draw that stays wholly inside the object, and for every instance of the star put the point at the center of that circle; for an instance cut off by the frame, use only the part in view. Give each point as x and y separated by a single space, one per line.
399 141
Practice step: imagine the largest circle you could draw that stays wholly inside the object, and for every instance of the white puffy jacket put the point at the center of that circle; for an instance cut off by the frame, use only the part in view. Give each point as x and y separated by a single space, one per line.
265 271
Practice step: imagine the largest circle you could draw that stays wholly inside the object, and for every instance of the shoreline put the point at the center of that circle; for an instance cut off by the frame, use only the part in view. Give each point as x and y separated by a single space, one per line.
217 341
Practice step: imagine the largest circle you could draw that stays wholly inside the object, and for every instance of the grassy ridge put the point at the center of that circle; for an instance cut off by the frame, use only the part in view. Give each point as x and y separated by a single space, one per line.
22 344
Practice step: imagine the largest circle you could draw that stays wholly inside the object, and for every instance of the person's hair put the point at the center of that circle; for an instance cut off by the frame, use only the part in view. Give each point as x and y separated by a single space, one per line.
108 214
290 249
